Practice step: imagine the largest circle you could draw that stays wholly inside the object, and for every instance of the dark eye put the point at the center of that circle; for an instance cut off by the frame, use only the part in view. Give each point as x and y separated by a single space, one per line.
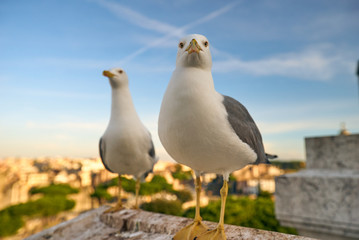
181 45
206 43
120 71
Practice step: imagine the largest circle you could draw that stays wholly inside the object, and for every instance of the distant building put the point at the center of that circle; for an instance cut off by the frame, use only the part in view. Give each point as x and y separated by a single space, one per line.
252 177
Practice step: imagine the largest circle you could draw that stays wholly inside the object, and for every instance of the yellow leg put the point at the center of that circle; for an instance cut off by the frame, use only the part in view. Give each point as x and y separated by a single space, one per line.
197 227
218 233
138 184
118 206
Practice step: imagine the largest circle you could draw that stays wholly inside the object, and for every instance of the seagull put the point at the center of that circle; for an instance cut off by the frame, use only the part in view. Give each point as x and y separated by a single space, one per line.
126 147
205 130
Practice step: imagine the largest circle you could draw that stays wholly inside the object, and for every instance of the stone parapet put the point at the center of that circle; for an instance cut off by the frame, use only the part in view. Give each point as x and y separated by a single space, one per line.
322 201
137 224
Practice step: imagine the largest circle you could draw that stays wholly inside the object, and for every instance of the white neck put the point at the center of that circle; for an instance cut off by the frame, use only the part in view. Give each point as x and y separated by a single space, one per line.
193 80
122 105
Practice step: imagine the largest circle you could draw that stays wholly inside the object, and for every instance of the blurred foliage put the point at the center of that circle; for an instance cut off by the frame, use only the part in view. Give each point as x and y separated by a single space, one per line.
243 211
50 204
156 185
54 189
9 224
163 206
181 175
289 165
214 187
101 194
183 195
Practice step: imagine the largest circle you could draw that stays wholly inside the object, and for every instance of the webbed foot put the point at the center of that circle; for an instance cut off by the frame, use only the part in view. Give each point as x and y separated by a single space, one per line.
116 208
191 231
215 234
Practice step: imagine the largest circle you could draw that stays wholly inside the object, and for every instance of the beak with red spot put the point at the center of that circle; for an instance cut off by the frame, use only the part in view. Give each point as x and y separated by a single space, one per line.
193 47
108 74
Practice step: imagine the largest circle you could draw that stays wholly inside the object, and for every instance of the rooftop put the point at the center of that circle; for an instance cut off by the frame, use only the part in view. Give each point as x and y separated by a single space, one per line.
138 224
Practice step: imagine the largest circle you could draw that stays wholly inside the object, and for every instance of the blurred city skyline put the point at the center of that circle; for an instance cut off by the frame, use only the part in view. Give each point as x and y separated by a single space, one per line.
292 64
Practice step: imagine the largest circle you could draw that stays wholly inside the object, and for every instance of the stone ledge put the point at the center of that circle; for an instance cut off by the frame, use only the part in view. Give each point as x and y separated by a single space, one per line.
138 224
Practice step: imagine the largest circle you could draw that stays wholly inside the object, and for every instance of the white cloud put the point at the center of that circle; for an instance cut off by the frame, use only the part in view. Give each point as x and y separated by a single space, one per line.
318 63
305 108
308 124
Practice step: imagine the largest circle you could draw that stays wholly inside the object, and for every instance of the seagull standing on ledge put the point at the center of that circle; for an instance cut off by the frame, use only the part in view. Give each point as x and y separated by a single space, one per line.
205 130
126 146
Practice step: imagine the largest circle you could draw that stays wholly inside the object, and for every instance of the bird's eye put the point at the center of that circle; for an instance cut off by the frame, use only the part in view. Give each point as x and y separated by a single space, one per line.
206 43
181 45
120 71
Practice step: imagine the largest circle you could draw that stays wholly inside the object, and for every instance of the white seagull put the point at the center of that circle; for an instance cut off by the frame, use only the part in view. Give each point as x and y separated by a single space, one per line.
205 130
126 146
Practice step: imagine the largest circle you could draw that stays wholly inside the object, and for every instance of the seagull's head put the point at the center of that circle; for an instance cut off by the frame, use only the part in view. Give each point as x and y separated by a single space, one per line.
193 51
117 76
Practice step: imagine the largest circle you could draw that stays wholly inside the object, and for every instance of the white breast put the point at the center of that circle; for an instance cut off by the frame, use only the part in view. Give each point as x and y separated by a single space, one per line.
193 125
126 140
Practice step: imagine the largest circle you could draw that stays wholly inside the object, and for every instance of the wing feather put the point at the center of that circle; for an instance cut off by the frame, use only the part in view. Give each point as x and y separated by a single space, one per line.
245 127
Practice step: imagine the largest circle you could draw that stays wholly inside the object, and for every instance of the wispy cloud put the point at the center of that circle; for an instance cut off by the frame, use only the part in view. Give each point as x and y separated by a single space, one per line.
308 124
312 63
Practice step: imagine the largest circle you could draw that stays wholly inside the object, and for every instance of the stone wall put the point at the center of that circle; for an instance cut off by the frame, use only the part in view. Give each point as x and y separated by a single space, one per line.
323 200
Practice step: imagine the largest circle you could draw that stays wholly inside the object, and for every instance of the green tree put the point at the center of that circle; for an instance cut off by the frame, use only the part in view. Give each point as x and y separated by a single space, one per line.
180 174
51 203
246 212
54 189
183 195
163 206
9 224
101 194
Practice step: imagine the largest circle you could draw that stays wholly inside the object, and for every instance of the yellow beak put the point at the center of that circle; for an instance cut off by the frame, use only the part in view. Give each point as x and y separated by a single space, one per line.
108 74
193 47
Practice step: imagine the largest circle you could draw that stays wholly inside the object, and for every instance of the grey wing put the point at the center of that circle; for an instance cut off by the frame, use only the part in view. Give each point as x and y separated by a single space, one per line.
245 127
102 148
152 154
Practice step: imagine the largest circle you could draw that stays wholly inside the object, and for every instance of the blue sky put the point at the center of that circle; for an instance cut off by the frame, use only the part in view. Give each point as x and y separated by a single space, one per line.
291 63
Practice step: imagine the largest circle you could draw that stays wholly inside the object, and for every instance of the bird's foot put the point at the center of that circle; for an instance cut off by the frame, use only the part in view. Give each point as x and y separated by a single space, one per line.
135 208
191 231
116 208
215 234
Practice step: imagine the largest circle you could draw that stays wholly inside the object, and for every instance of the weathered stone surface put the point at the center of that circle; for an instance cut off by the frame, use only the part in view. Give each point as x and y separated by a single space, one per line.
326 200
333 152
323 200
139 225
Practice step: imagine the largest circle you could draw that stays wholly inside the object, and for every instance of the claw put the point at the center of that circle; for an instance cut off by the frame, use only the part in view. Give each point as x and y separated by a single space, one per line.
116 208
191 231
216 234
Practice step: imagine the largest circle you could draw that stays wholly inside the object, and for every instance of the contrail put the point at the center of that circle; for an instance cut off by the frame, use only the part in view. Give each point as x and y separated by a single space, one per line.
151 24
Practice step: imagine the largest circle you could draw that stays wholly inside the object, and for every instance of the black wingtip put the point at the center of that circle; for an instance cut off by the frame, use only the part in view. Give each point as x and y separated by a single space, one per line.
270 157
